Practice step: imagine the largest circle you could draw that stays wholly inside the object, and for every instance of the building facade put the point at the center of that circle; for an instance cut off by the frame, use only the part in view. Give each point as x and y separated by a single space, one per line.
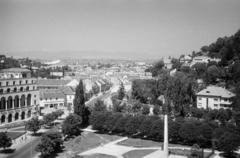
214 98
18 95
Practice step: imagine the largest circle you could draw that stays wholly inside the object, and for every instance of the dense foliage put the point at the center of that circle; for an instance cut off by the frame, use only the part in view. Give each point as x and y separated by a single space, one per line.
50 142
6 141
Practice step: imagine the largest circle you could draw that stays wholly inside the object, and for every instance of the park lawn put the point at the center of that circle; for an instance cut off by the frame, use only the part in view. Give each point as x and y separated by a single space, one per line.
96 156
19 129
137 142
14 135
138 153
89 141
140 143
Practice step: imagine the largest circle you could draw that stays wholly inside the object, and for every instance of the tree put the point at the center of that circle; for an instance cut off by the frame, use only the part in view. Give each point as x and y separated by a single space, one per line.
33 125
120 124
174 128
111 121
133 124
50 142
121 92
98 119
71 125
6 141
212 74
145 109
229 143
189 132
146 125
156 110
79 101
136 107
157 130
205 135
48 119
99 105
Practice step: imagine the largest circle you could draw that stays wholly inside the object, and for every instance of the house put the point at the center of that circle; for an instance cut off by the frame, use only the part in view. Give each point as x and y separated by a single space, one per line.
51 83
167 63
214 98
18 95
51 99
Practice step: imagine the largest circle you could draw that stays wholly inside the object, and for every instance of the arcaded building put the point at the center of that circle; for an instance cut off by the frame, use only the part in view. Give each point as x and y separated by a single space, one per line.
18 95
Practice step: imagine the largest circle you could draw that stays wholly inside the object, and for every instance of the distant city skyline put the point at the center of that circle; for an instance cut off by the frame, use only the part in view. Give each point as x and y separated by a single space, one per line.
156 28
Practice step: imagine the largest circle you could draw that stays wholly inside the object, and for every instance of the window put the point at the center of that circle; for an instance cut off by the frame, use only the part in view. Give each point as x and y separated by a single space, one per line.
34 95
33 87
24 75
13 82
199 98
56 98
61 104
225 99
26 81
7 83
45 98
50 98
32 81
40 99
70 97
0 83
35 102
20 82
215 105
215 99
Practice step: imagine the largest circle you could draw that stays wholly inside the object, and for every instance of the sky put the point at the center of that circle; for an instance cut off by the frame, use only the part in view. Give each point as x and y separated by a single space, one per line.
160 28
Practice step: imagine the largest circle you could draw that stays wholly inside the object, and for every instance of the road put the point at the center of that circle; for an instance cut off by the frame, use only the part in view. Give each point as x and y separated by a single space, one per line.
25 150
104 96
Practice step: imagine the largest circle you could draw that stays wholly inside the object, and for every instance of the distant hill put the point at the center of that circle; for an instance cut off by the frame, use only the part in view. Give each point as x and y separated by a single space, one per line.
82 55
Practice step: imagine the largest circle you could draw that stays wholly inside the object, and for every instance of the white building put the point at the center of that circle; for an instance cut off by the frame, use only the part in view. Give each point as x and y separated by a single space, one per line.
214 98
18 95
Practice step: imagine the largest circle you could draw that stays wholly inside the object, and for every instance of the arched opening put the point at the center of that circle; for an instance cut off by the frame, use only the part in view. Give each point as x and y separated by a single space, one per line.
10 118
16 116
29 114
3 103
3 119
10 102
16 101
22 100
29 99
23 115
8 90
1 90
21 89
27 88
15 89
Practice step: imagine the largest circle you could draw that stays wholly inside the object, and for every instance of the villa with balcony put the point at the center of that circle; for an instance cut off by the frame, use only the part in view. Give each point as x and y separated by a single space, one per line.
214 98
18 95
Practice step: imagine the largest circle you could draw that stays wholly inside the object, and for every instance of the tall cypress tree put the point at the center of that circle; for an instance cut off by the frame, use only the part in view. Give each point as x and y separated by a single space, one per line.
79 100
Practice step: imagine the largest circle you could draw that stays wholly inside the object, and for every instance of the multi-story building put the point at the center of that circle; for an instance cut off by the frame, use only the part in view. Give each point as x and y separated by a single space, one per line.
18 95
214 98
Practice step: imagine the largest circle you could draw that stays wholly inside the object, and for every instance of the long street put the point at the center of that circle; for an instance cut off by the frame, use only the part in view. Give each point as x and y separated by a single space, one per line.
28 149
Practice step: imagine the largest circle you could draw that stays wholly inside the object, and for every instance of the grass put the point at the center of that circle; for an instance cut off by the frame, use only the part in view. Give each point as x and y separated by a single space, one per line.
14 135
140 143
96 156
137 142
19 129
185 152
89 141
138 153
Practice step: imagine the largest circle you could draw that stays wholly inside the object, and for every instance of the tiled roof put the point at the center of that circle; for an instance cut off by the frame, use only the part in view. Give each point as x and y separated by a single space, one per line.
52 82
51 94
216 91
67 90
15 70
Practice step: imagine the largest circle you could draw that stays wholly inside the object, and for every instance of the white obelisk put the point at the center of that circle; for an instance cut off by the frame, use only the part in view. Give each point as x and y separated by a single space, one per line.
165 147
